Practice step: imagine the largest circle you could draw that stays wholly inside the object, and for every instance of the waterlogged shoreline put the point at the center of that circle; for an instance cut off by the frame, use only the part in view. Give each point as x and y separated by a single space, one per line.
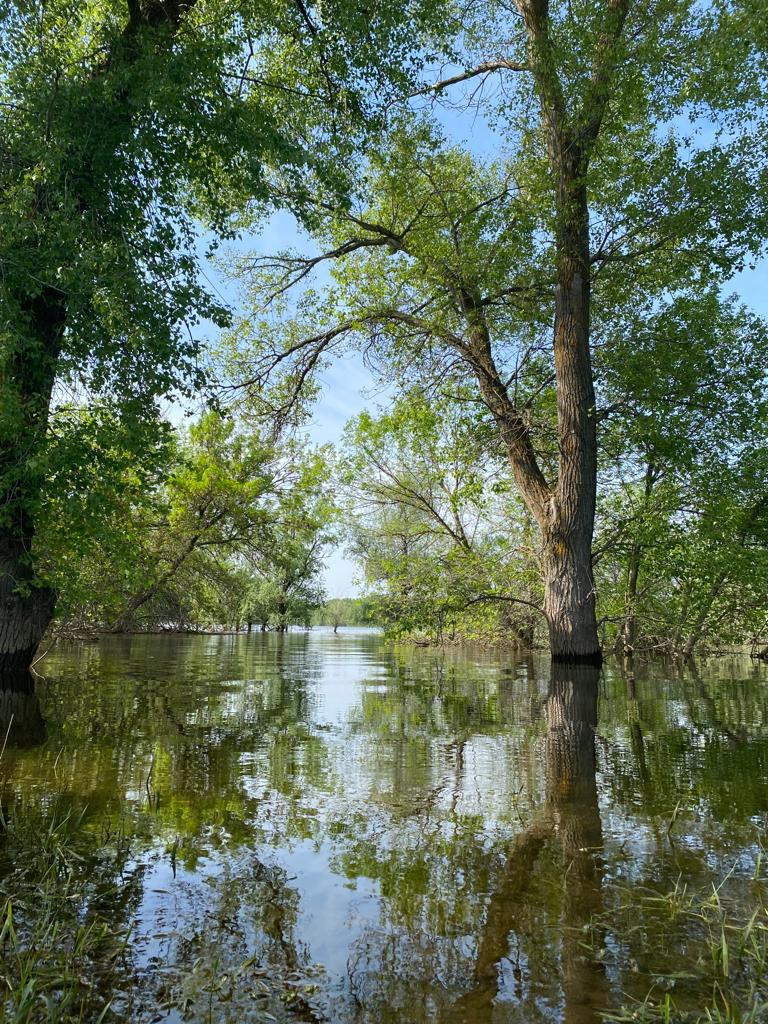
327 827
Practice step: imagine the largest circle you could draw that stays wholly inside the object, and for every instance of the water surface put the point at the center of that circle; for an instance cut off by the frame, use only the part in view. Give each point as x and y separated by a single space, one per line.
389 834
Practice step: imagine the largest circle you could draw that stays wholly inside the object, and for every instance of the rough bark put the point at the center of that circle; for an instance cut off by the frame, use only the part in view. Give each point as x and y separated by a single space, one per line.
569 598
26 605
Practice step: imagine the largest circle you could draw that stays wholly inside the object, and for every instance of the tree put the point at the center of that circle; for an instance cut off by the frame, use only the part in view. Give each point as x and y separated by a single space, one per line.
347 611
335 613
684 490
638 179
230 518
128 132
217 503
436 523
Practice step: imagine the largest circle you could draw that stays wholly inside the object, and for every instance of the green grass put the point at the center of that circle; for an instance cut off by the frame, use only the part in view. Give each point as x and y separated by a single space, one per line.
68 890
705 952
62 957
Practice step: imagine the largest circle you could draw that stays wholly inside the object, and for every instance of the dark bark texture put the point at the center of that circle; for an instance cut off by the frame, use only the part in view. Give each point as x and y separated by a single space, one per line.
26 606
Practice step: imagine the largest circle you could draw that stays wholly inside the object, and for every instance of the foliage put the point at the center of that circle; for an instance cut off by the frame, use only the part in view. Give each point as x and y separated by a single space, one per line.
347 611
230 516
681 536
136 137
436 524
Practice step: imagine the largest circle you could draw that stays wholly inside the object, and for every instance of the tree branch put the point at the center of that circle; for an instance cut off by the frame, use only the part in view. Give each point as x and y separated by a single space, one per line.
505 597
486 67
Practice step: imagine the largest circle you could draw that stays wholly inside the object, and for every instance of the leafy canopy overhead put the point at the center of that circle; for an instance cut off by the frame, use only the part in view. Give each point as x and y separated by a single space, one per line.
133 135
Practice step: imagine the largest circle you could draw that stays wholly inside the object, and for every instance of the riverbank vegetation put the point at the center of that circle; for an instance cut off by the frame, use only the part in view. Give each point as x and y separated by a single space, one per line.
681 541
534 284
228 531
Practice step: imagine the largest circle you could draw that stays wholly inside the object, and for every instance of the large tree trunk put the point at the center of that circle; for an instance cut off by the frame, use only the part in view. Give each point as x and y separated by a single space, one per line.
567 517
565 510
569 600
26 607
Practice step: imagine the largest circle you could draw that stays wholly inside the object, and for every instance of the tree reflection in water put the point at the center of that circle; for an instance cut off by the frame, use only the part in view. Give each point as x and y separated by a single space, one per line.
21 724
422 825
571 714
571 819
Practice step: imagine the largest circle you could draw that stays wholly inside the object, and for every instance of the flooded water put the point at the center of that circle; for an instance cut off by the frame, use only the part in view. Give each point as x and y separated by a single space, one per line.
329 827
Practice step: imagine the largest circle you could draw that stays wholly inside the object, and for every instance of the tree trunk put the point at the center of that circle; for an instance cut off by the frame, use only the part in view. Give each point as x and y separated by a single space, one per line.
694 635
26 608
626 640
565 510
569 600
628 635
567 518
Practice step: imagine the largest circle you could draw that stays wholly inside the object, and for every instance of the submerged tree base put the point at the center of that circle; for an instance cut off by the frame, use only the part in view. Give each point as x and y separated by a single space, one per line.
594 658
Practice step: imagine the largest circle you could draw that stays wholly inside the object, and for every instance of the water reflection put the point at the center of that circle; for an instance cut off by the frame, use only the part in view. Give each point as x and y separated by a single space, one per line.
21 724
395 834
571 716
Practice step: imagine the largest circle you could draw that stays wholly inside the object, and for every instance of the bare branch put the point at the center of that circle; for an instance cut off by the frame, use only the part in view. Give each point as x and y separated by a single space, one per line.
505 597
298 267
485 68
